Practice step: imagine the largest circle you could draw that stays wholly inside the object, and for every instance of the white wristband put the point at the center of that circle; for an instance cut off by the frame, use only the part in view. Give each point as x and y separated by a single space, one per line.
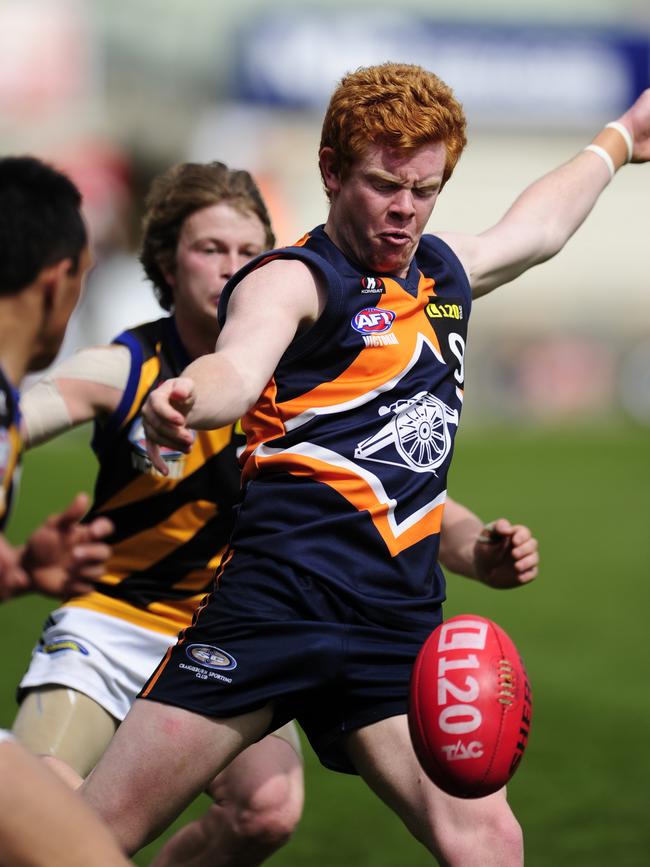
627 135
605 157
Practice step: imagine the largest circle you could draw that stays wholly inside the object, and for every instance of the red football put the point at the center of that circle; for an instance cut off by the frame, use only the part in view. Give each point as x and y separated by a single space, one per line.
470 706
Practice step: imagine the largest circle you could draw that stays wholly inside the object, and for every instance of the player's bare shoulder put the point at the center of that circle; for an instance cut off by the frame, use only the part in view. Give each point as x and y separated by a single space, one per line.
291 284
464 246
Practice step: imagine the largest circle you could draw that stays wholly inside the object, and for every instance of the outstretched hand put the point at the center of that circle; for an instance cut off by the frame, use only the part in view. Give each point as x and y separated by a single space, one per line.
637 120
164 417
63 557
506 555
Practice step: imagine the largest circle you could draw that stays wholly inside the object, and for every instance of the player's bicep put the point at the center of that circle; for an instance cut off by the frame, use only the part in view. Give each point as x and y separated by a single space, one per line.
496 256
265 312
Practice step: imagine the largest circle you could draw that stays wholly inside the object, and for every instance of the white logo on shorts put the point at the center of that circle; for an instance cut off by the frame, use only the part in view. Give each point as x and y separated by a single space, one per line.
211 657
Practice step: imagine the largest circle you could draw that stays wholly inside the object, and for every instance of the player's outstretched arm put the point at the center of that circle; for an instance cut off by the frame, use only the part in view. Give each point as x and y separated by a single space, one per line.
217 389
548 213
499 554
85 386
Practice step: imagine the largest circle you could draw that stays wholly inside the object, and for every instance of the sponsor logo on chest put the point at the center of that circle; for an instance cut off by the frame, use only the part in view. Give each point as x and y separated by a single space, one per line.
372 286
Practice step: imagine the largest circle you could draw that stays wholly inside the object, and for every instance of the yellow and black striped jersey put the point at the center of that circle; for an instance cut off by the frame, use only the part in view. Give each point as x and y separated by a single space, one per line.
170 531
11 445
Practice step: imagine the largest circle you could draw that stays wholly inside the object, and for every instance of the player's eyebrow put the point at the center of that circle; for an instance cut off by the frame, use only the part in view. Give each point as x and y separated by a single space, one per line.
431 183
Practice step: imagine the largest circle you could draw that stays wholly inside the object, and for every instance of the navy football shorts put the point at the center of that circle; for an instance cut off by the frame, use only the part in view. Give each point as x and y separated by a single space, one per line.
270 635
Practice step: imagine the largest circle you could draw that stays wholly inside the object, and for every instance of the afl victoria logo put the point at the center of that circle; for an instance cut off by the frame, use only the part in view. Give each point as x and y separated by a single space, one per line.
373 320
211 657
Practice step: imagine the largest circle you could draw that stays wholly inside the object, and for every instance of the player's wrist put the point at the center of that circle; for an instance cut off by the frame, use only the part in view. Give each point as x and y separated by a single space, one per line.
15 579
614 145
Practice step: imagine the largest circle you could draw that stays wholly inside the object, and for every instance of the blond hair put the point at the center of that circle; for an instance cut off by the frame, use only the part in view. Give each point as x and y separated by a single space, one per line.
174 196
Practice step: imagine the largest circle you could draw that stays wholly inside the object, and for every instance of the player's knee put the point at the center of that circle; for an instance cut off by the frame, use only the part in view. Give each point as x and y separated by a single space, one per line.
505 835
494 838
270 815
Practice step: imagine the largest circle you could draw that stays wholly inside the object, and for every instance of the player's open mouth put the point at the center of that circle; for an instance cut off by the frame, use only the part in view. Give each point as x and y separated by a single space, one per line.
396 239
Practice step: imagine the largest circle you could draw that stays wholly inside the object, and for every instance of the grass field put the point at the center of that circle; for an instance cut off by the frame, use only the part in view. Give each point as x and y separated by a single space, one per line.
581 792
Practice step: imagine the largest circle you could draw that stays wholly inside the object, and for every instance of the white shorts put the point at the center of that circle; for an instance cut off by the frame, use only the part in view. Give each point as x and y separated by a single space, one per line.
106 658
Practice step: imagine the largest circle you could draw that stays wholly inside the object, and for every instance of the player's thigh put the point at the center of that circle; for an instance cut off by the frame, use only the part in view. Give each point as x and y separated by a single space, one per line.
383 755
62 722
267 775
161 757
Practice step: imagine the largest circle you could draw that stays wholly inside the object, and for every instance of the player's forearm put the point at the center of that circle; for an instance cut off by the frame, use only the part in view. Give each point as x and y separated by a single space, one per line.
553 208
547 214
539 223
13 579
223 393
460 530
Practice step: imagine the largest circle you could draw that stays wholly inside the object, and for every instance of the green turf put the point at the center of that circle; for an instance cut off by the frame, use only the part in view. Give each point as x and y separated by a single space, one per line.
581 790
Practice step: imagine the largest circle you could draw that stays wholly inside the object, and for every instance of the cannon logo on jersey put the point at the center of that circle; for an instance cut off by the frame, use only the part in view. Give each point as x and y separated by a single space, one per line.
372 286
415 433
140 459
416 436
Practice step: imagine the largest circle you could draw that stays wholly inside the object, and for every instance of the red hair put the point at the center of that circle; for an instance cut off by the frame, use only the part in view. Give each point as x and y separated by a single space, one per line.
399 105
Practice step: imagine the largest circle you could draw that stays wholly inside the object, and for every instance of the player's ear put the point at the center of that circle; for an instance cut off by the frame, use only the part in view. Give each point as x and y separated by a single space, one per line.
168 274
53 279
329 170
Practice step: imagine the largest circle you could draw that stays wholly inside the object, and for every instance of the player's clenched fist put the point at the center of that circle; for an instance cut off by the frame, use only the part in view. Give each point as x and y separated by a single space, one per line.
506 555
164 417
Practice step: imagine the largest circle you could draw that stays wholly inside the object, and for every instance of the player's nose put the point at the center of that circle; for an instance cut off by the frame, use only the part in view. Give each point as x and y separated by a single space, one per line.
402 203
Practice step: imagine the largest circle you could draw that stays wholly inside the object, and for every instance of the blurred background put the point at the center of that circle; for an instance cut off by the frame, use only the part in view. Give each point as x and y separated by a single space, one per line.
115 92
556 427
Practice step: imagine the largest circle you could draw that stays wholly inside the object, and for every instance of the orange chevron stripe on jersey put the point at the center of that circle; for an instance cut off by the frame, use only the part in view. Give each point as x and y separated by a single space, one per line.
365 492
364 375
352 441
358 383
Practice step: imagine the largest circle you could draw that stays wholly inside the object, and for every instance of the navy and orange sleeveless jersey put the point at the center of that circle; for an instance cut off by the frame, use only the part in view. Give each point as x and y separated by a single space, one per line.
169 530
11 445
349 445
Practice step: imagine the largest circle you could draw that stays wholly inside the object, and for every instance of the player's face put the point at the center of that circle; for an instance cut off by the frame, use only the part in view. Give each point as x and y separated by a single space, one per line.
214 243
380 210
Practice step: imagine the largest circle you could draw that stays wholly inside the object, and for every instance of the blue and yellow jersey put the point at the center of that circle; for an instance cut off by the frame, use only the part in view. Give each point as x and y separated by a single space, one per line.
169 530
11 445
349 445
